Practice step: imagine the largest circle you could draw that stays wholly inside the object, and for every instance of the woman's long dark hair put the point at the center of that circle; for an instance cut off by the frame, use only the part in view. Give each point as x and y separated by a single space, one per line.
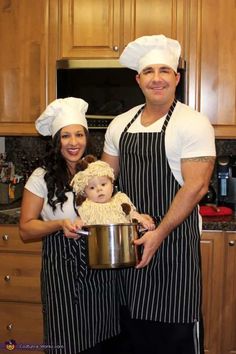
57 176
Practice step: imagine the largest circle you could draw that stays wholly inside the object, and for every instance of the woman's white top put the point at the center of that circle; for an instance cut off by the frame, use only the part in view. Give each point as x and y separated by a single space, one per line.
37 185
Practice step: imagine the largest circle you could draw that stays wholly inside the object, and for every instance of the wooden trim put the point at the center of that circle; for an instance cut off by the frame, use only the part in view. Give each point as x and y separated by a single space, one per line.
225 131
18 129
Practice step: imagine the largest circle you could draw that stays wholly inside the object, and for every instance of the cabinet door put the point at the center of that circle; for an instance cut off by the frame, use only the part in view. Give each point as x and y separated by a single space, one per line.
22 323
142 18
10 241
22 62
103 28
20 277
212 67
90 28
212 251
229 300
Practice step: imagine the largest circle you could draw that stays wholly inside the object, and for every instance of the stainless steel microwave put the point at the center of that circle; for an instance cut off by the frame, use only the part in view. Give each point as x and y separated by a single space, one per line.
109 88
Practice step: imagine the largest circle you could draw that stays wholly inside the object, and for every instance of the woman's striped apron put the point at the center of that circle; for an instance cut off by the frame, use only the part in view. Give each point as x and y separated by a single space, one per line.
169 288
80 305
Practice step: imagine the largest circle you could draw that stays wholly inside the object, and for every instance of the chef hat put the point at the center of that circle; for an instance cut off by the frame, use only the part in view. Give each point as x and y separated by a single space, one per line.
95 169
147 50
60 113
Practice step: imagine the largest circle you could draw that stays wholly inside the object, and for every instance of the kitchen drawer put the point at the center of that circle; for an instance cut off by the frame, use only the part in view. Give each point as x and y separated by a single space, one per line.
22 323
20 277
10 240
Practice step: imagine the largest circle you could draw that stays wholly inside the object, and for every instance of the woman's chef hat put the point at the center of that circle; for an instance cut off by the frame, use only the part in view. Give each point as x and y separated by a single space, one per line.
147 50
60 113
95 169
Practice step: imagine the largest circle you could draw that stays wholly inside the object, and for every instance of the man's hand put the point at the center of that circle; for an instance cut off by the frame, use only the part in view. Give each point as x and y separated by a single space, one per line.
151 242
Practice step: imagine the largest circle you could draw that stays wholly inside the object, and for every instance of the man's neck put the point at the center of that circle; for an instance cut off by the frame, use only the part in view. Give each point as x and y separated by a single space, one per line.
152 112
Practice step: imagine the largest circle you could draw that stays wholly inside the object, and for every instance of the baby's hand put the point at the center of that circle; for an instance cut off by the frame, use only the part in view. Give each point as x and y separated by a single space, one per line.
147 222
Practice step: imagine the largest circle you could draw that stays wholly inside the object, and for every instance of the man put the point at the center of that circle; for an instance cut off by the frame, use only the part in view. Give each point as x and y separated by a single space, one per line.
164 154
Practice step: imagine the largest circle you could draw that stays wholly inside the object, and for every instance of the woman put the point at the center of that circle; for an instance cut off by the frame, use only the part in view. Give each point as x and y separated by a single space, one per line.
80 305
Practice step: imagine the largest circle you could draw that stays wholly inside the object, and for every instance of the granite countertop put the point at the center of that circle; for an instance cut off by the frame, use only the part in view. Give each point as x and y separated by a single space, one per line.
9 213
9 218
224 223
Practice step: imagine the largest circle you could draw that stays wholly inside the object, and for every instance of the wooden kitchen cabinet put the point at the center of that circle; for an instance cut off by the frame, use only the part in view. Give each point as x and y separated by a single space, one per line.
20 300
102 28
212 251
21 322
34 34
211 62
27 63
229 296
218 251
22 61
90 29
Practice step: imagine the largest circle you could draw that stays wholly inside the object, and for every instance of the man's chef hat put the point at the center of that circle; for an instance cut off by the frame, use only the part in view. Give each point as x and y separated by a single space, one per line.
147 50
60 113
94 169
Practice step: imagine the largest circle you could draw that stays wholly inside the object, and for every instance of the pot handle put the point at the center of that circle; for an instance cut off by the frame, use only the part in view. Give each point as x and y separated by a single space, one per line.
141 230
82 232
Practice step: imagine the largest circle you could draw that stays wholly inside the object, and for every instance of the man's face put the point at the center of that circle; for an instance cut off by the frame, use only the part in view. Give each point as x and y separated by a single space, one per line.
158 83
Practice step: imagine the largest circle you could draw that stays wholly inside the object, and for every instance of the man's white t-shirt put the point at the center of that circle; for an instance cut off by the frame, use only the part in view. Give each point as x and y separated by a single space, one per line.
188 134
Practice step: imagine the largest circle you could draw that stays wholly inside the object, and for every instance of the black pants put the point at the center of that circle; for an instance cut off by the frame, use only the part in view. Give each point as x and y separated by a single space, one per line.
139 336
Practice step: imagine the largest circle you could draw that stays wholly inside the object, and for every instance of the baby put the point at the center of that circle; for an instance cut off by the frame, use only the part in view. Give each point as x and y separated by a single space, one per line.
93 185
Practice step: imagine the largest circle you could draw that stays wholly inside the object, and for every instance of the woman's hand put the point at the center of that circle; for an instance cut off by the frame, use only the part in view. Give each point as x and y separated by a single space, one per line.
70 228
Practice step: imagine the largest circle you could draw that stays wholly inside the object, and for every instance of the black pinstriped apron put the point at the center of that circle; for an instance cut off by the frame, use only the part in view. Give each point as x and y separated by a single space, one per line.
80 305
168 289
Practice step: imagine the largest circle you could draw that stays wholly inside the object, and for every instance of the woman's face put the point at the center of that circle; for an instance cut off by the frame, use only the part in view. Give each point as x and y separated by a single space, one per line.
73 144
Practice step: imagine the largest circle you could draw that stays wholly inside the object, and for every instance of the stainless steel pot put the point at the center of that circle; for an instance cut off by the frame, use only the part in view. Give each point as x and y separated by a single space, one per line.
111 246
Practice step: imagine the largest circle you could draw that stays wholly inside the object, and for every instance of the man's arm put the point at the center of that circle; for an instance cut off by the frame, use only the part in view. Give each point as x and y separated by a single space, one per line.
196 174
113 161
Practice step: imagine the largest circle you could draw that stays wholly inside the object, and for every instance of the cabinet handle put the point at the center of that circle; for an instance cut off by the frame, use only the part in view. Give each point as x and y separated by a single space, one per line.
10 327
115 48
231 243
7 278
5 237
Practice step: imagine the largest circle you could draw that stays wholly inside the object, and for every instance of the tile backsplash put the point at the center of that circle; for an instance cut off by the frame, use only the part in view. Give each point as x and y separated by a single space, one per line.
225 147
25 152
2 145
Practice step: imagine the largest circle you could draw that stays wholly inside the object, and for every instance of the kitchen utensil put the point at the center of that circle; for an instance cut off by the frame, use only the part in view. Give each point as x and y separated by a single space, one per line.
111 246
211 210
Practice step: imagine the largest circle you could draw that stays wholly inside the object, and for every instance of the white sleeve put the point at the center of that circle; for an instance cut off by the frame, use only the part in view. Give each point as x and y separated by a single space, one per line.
36 183
112 138
197 138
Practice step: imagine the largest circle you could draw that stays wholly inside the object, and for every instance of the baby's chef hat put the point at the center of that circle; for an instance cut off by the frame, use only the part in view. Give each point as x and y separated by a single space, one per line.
147 50
95 169
60 113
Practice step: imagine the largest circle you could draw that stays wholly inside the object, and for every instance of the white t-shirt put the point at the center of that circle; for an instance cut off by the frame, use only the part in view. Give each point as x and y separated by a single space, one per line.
36 184
188 134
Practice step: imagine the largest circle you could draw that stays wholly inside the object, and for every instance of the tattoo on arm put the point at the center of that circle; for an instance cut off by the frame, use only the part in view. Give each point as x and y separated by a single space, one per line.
199 159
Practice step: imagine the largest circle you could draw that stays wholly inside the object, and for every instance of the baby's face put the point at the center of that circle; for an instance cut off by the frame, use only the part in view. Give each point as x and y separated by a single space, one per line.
99 189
